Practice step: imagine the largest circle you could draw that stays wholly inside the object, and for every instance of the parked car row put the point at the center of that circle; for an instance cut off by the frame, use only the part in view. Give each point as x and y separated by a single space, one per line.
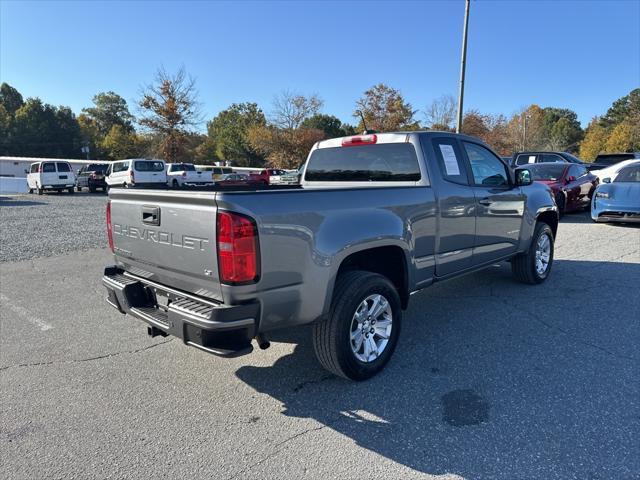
611 198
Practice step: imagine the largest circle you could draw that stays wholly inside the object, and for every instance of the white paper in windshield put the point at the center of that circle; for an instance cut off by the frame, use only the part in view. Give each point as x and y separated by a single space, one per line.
450 160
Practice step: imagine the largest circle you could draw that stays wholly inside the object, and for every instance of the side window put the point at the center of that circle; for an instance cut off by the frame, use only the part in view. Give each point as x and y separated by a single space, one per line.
34 168
48 167
581 171
450 160
487 169
523 159
573 172
549 157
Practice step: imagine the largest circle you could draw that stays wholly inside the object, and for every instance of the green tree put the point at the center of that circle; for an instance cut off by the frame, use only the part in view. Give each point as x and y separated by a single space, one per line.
621 109
109 109
227 133
42 130
561 129
170 112
120 143
6 121
330 125
10 98
385 110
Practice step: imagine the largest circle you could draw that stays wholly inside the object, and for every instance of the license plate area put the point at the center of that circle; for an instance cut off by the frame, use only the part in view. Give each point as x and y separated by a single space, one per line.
62 177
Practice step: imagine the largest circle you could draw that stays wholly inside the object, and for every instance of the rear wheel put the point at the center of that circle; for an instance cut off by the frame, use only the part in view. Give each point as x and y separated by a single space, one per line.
79 188
361 333
534 265
71 190
39 189
175 183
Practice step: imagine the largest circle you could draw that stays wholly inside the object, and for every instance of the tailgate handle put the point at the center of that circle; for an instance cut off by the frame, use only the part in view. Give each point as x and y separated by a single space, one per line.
150 215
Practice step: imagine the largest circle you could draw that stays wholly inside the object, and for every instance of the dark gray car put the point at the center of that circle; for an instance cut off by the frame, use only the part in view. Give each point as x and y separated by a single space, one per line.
375 219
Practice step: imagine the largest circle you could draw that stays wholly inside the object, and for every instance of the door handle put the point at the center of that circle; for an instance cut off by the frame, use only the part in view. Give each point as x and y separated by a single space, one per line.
485 201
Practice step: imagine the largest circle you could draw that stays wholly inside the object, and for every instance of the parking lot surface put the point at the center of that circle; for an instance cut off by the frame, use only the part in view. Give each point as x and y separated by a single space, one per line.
491 378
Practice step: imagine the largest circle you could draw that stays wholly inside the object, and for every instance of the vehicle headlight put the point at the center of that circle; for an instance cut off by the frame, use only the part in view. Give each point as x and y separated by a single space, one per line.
602 194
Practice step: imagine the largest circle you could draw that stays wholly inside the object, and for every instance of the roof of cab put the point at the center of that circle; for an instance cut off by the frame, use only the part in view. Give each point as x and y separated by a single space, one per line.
395 137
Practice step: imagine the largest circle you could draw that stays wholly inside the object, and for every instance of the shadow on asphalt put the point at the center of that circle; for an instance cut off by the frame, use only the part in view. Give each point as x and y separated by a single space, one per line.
492 380
10 202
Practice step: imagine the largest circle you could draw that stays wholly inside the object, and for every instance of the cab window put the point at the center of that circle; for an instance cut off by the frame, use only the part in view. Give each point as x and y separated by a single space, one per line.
450 160
487 170
34 168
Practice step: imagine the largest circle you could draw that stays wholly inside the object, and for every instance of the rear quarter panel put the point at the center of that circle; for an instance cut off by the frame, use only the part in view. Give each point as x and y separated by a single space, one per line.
306 234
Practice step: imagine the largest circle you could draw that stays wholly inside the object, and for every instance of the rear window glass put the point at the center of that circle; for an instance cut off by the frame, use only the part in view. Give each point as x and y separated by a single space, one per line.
183 167
149 166
63 167
613 159
95 167
48 167
368 163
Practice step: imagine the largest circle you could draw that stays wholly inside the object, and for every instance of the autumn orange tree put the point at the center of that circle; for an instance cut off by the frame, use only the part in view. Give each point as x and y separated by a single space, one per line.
170 111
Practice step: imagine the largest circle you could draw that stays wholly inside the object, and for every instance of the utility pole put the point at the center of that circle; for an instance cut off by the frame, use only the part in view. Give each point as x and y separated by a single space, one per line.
463 64
524 130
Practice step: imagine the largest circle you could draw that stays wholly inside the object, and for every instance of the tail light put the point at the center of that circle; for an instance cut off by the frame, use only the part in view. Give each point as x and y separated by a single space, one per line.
359 140
109 228
237 239
132 177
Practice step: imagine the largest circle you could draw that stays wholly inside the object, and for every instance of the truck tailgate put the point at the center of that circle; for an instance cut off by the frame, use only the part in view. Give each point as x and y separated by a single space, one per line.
167 237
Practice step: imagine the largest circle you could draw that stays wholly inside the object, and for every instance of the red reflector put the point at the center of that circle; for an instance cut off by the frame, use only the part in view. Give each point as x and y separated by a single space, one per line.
237 239
109 228
359 140
132 177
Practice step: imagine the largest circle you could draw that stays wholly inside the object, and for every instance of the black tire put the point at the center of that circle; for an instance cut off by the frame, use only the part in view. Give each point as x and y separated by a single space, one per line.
332 336
79 188
92 189
175 183
72 190
40 190
560 201
30 191
523 266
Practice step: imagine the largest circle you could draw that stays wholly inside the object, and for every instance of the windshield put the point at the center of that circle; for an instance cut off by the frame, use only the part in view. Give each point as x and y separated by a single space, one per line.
549 172
180 167
629 174
95 167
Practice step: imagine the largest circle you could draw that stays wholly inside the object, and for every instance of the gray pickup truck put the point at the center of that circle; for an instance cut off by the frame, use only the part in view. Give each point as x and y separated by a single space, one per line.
375 219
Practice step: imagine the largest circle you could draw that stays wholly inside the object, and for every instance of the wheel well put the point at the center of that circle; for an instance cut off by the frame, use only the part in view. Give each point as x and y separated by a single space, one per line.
387 261
551 219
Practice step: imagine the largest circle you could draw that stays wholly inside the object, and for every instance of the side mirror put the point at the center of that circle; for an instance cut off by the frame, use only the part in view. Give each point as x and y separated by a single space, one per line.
523 177
606 180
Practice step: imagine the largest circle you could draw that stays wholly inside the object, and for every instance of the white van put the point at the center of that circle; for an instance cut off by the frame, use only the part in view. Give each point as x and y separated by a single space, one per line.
137 172
51 176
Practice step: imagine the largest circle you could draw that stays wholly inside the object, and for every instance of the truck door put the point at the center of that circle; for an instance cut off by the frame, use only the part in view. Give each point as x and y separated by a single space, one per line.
456 208
499 204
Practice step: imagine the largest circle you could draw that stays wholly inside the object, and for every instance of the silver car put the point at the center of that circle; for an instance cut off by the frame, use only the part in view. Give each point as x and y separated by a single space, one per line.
618 201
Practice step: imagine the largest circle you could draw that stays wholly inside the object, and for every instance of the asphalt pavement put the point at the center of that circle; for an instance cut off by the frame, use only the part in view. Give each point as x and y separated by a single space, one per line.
491 379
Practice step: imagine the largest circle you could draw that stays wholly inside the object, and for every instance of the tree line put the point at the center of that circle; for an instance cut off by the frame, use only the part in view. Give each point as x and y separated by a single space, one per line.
169 119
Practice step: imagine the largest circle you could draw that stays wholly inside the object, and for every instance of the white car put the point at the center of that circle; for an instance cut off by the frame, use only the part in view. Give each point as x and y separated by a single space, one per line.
137 172
612 171
185 174
51 176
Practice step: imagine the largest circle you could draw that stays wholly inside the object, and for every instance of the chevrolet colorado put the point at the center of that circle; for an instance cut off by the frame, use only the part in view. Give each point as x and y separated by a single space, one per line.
376 218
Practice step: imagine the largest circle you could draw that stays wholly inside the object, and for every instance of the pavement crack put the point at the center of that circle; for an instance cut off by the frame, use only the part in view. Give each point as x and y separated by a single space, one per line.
280 446
90 359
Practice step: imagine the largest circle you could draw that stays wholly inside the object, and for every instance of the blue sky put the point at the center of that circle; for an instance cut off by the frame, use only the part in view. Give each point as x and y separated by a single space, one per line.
576 54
